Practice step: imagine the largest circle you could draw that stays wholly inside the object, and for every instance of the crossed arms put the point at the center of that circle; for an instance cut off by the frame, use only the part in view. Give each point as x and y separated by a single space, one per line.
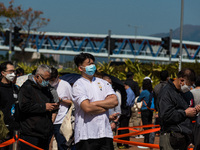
99 107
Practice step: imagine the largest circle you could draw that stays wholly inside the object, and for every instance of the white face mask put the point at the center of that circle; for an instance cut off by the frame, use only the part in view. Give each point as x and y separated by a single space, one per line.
54 83
10 76
185 88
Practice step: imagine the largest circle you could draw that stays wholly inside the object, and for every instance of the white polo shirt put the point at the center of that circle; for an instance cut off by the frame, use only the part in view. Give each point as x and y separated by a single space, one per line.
64 91
88 126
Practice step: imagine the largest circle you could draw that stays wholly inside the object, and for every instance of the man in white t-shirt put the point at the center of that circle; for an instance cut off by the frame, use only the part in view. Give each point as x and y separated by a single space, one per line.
92 98
64 91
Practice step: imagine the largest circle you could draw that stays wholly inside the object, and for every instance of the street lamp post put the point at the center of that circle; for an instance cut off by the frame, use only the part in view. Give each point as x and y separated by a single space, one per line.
181 35
10 43
109 35
136 27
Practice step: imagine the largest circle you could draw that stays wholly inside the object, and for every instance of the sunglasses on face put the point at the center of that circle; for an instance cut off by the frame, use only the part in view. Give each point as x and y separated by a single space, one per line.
43 78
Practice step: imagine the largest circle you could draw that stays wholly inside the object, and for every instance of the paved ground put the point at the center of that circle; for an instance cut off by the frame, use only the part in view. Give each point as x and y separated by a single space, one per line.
141 140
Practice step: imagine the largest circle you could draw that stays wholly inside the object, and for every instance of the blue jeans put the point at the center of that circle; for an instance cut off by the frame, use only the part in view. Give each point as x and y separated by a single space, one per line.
61 141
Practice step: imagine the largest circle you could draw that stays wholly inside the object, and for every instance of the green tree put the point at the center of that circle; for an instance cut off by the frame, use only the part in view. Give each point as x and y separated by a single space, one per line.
28 20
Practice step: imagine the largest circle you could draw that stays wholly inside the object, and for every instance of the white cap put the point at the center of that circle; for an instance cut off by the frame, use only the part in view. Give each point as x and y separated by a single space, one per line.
149 79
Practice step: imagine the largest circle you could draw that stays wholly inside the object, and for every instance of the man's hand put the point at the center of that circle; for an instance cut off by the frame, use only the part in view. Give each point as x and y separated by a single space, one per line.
190 112
197 107
114 116
51 106
113 125
54 116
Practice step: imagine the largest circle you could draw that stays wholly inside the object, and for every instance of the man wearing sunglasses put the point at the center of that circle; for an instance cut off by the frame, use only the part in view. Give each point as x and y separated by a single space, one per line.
36 106
8 97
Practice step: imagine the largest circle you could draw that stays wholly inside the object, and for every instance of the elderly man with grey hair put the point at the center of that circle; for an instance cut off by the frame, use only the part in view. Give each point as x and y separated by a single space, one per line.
36 106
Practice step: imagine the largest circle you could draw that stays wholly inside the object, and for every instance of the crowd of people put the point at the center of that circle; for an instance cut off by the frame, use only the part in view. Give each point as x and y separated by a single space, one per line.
102 103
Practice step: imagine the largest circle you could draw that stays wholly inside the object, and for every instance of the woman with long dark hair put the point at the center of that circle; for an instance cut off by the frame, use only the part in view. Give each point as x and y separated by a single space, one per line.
146 113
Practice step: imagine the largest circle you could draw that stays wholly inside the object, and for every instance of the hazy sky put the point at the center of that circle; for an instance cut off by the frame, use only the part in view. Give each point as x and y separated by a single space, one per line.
98 16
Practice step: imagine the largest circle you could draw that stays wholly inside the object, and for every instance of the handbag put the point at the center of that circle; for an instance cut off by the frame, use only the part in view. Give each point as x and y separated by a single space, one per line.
67 126
137 105
3 129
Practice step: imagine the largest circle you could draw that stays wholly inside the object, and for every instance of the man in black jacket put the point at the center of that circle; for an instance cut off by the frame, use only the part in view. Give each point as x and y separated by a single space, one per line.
8 97
133 84
175 115
36 106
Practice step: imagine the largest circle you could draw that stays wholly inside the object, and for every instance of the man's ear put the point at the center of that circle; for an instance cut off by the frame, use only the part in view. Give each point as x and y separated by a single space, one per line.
2 73
80 68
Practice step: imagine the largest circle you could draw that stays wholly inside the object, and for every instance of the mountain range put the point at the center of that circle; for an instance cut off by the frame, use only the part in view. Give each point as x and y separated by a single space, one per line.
190 33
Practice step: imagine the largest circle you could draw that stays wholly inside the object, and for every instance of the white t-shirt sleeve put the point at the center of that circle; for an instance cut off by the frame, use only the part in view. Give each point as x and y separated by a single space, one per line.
66 91
79 94
108 88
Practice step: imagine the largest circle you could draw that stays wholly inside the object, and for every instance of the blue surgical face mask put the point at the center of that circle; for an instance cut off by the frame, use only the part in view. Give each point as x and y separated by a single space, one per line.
44 83
90 70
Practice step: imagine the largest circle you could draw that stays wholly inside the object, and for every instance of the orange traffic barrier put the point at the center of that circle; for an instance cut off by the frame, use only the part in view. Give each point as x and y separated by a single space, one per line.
27 143
14 139
137 132
6 143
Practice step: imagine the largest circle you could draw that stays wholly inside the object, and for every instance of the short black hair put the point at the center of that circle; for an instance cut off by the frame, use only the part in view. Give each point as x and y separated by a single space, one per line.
54 72
20 71
164 75
147 85
126 83
33 72
187 73
197 82
80 58
3 65
129 74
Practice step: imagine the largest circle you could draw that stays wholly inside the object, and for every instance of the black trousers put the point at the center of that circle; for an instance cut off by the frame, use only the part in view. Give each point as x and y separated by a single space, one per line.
196 133
95 144
123 122
146 116
39 142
